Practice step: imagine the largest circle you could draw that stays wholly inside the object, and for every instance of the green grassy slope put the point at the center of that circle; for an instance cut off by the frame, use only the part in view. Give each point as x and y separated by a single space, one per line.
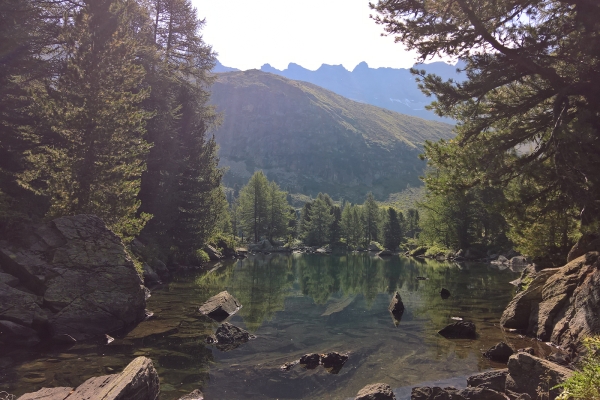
309 139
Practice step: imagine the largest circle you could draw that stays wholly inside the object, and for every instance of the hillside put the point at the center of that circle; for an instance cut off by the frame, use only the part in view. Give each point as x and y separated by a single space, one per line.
309 139
392 88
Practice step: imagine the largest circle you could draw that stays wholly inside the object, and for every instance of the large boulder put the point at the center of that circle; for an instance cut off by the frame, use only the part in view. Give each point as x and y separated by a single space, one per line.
221 306
78 277
495 380
560 304
470 393
396 306
376 391
228 337
500 352
138 381
527 374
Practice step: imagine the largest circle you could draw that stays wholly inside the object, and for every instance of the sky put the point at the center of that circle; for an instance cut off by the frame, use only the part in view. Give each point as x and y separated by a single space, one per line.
249 33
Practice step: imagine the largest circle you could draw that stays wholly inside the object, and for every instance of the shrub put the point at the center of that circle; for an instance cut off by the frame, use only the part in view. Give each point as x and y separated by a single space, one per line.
201 257
585 383
435 250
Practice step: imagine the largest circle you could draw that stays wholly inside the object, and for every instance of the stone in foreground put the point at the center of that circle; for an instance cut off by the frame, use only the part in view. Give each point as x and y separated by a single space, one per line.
376 391
450 393
495 380
138 381
195 395
527 373
459 330
220 306
500 352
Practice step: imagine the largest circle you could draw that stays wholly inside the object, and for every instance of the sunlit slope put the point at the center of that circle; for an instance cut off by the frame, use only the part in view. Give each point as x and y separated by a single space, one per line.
309 139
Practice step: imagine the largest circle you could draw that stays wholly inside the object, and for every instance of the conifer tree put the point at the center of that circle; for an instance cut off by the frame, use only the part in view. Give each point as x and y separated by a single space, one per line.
392 230
321 219
253 206
371 217
92 159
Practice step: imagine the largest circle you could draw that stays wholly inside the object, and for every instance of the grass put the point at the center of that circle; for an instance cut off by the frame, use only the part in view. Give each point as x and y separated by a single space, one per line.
585 383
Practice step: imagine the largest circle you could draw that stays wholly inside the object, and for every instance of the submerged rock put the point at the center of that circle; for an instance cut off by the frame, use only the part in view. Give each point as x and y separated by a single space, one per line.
459 330
376 391
220 306
195 395
445 293
333 362
310 361
228 337
500 352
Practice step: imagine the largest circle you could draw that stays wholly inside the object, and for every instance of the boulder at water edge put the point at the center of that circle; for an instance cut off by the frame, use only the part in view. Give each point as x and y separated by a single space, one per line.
560 304
376 391
221 306
75 279
138 381
459 330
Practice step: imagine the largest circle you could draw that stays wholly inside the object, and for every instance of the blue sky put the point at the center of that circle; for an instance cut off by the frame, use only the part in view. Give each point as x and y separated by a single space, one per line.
248 34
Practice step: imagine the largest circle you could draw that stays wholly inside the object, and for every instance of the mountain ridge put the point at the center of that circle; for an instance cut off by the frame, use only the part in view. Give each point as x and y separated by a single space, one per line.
310 140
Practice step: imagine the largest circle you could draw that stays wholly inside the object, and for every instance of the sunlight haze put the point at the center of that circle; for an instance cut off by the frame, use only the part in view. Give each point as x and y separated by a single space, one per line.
247 34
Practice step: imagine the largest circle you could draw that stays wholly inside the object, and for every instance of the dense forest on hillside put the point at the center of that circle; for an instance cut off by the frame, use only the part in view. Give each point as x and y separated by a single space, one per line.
104 110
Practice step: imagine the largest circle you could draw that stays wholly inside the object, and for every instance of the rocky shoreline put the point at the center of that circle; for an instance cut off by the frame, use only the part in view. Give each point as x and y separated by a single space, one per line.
72 279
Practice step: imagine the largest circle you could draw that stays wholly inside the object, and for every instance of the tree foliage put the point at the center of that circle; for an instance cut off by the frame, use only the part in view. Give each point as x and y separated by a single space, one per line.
529 109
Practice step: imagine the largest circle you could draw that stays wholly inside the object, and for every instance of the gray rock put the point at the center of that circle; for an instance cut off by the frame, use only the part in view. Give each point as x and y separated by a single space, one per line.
195 395
9 280
88 282
21 307
502 260
57 393
221 306
587 243
518 260
228 337
396 306
459 330
213 254
376 391
560 304
19 335
333 362
310 361
494 380
500 352
150 277
432 393
526 373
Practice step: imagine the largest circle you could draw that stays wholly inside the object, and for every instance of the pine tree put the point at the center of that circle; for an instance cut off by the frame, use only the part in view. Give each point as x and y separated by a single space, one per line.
278 212
372 218
321 219
93 158
392 230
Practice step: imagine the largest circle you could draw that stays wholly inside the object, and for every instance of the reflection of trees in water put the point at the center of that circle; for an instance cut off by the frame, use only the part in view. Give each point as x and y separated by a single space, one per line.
262 284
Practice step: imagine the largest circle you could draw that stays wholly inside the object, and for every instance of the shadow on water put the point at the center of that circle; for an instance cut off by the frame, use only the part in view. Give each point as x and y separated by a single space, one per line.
295 304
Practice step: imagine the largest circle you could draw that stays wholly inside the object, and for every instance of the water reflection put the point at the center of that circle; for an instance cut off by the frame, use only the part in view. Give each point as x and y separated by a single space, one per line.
295 304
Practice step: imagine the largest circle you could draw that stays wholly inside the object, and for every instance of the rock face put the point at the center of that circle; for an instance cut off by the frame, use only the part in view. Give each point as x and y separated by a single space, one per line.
526 373
138 381
459 330
376 391
75 279
221 306
560 304
500 352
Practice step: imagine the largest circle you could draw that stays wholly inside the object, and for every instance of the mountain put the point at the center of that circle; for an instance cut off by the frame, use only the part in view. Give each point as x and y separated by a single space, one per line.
311 140
391 88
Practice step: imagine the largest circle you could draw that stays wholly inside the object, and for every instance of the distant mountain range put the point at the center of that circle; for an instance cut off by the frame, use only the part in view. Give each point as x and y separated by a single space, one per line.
390 88
311 140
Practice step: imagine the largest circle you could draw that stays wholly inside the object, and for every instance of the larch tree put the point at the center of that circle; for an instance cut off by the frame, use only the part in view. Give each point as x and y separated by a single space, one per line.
253 206
392 230
91 158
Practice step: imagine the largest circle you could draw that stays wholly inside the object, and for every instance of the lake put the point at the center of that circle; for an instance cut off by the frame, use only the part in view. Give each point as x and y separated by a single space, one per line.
297 304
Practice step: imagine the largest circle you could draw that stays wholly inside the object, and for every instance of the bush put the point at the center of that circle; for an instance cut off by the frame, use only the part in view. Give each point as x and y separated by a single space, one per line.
201 257
435 250
585 383
419 251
